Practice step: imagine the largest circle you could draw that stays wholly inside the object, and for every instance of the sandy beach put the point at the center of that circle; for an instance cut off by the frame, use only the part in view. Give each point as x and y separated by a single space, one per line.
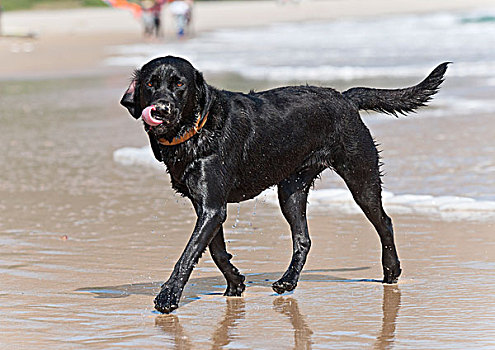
87 238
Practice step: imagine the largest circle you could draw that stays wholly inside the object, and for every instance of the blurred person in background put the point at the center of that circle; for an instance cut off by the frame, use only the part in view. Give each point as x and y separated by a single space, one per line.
151 17
181 10
146 17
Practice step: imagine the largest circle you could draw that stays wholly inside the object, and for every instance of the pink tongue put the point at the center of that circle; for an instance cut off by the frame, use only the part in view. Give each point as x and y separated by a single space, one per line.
148 118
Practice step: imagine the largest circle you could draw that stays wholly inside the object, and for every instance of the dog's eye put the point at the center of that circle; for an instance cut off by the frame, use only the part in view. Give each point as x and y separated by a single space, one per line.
179 84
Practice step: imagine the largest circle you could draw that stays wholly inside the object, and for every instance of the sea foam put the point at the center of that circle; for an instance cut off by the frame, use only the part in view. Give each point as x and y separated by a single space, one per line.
443 207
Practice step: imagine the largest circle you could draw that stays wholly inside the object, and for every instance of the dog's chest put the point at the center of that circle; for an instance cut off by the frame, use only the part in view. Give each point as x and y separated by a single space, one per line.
176 171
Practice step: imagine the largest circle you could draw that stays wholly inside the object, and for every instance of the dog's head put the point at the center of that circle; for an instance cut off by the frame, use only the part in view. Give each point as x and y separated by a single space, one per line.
169 94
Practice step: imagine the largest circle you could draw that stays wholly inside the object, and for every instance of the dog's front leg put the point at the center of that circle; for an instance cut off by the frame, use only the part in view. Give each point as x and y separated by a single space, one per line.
207 225
212 212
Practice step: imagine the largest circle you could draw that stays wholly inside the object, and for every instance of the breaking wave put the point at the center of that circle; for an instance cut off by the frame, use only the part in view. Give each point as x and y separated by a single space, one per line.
442 207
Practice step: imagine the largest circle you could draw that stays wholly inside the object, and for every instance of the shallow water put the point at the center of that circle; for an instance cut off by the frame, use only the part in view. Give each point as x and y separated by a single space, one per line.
86 242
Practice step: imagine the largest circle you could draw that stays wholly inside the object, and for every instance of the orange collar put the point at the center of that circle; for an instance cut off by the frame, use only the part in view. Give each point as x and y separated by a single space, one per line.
200 122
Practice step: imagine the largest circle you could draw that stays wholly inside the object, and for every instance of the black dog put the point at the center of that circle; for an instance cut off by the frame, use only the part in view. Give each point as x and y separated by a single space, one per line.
224 147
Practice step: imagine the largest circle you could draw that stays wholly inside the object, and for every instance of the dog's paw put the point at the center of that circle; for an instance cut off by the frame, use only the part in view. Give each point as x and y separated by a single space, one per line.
235 290
282 286
391 275
167 300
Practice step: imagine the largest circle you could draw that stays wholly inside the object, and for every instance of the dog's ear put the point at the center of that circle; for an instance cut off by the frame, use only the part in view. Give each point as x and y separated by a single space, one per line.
130 100
205 93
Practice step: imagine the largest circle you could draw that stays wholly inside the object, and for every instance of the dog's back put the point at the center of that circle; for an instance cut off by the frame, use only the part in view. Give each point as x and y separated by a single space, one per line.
278 132
282 131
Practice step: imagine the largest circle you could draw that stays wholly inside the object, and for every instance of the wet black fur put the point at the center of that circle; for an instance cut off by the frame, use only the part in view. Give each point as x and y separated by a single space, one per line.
285 137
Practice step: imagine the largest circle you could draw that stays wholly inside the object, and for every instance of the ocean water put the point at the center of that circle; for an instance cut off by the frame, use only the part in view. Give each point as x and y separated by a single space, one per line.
452 174
399 46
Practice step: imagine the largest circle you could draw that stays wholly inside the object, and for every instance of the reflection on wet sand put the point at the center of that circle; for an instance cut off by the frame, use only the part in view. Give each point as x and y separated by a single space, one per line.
234 312
171 326
287 306
222 336
390 308
302 333
224 332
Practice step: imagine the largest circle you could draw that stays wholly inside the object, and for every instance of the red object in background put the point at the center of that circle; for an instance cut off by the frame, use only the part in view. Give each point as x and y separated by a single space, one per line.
135 8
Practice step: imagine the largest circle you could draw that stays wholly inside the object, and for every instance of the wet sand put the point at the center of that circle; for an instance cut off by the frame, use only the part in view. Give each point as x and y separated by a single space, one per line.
85 244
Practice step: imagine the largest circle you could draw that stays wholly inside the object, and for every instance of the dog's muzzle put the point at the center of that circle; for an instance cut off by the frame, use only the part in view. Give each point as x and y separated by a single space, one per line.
156 114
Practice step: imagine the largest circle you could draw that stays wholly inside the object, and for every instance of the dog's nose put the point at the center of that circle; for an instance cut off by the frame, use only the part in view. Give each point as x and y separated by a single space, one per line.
163 109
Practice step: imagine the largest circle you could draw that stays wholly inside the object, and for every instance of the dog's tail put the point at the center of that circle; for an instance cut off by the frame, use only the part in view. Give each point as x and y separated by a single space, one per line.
398 100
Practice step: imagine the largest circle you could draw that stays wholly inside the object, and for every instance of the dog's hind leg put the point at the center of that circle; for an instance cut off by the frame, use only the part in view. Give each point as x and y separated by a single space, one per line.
218 251
292 196
362 176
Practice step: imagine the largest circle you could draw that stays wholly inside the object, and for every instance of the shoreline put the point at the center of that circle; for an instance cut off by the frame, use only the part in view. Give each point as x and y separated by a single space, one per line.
74 42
